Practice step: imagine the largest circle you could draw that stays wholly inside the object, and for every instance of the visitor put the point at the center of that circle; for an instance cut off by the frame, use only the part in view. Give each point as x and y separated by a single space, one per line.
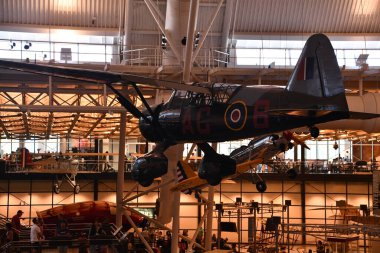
35 236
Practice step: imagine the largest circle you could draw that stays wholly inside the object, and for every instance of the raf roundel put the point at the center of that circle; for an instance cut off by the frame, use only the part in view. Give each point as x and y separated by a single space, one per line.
236 116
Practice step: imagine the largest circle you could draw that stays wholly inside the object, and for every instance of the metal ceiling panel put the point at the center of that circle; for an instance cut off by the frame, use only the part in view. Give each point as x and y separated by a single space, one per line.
301 16
76 13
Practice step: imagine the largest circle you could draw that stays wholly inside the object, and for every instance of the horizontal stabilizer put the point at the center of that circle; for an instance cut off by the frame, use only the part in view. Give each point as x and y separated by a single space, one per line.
363 115
301 112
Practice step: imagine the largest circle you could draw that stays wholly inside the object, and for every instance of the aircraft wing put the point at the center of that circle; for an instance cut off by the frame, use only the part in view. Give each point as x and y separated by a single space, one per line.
195 182
96 76
243 167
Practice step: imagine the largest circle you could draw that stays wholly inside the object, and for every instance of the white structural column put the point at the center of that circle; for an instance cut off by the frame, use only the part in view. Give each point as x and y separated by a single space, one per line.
158 17
125 26
210 205
193 16
229 11
170 201
175 29
120 172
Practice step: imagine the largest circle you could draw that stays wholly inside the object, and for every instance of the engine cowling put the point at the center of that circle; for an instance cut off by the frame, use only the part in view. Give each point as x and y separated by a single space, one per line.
148 167
214 168
149 129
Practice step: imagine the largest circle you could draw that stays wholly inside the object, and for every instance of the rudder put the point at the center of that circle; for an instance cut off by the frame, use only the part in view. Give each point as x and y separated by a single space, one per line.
317 71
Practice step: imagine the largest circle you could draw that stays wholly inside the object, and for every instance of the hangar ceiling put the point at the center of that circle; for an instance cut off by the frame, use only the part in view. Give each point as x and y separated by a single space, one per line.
235 19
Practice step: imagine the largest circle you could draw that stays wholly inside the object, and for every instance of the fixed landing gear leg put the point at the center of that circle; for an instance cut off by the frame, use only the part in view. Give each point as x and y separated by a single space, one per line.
261 186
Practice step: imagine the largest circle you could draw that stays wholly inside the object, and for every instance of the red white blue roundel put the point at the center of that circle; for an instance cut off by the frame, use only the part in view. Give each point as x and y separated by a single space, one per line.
236 116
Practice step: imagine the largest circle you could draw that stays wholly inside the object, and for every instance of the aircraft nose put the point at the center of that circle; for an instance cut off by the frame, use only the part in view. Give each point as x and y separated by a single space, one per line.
149 127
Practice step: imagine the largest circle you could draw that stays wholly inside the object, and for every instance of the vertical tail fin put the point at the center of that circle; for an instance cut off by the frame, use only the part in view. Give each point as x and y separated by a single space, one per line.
317 71
184 172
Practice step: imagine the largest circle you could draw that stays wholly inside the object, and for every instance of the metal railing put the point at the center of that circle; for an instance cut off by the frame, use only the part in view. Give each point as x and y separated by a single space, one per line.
148 55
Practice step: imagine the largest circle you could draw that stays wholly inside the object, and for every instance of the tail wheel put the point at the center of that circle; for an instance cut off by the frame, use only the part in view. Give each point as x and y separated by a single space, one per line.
261 186
314 132
275 137
56 188
76 188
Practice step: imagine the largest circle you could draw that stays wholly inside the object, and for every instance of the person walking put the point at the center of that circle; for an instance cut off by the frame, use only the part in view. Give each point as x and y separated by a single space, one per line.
16 225
35 236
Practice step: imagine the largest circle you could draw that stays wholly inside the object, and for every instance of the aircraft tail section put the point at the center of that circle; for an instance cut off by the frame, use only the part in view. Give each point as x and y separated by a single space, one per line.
184 172
317 72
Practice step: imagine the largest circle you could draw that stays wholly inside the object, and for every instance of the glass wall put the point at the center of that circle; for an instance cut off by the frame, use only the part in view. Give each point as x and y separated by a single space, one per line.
63 46
37 195
285 53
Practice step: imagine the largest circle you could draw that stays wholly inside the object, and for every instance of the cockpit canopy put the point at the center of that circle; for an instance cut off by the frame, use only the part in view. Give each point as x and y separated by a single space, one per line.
220 93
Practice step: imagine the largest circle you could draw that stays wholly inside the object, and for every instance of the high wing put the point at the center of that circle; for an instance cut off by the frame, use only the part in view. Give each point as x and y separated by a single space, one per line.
196 183
97 76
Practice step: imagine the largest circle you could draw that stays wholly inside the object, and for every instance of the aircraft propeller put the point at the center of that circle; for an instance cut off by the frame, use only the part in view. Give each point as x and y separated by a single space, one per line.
155 163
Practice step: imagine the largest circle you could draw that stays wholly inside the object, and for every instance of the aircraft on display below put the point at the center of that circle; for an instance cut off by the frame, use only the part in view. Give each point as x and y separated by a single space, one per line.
351 213
258 151
202 112
88 212
65 166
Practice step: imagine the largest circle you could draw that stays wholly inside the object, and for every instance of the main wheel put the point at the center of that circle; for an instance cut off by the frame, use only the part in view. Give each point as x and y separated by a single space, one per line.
56 188
261 186
314 131
214 180
146 182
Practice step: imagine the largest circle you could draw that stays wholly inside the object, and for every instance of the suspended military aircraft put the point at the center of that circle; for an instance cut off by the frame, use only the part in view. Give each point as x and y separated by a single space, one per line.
258 151
203 113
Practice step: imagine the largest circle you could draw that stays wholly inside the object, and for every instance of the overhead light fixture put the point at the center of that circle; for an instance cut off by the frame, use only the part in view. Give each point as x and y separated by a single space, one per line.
196 40
12 44
335 146
164 41
27 45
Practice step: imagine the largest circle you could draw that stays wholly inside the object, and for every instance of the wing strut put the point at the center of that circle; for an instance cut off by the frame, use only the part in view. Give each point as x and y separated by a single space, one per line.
128 105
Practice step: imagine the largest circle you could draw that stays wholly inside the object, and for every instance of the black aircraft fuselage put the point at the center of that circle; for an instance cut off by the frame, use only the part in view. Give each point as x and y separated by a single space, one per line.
238 112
